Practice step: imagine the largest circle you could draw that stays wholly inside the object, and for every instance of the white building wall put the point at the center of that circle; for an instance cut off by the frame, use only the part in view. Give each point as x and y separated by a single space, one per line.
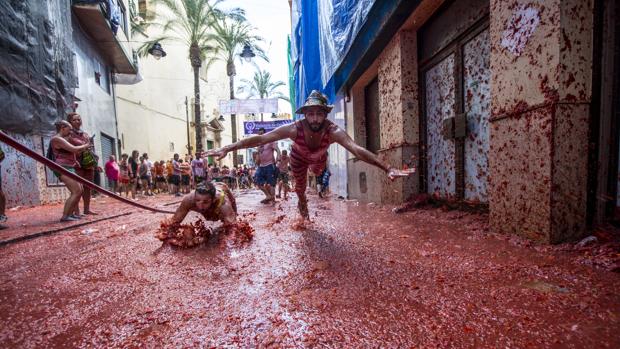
152 114
97 102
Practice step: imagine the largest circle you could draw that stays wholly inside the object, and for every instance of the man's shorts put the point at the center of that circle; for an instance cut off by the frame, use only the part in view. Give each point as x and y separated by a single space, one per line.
283 176
160 179
175 179
185 179
266 175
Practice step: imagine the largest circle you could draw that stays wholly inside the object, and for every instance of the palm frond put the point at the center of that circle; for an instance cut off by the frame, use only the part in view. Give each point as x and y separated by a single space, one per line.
261 86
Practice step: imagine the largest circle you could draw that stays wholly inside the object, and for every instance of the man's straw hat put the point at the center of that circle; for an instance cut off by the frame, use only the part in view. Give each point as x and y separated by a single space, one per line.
315 99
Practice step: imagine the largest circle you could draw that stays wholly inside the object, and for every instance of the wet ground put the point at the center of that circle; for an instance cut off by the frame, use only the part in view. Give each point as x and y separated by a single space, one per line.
360 276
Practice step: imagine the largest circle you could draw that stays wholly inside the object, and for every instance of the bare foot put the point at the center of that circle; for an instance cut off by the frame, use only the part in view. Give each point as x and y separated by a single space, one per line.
302 205
301 223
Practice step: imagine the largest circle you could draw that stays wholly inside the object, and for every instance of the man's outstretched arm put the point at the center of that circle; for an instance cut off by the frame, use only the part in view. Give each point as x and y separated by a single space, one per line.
282 132
341 137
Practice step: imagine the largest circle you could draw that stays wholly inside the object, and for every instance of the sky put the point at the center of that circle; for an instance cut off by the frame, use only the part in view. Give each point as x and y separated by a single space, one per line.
272 21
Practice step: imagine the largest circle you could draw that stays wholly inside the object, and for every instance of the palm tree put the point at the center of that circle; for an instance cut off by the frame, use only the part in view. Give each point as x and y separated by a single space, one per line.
261 86
231 35
190 22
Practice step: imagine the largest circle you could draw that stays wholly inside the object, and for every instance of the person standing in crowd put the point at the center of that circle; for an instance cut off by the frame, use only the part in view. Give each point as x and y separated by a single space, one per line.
283 177
224 173
3 217
87 160
267 173
234 178
215 174
186 176
209 172
198 169
145 177
134 163
160 179
176 175
112 172
169 174
125 177
323 182
149 172
252 176
65 155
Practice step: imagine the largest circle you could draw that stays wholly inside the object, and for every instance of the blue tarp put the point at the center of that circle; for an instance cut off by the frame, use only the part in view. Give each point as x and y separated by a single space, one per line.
323 32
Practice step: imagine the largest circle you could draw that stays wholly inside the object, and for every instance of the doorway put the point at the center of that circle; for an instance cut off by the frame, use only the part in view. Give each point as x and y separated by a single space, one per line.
456 111
604 178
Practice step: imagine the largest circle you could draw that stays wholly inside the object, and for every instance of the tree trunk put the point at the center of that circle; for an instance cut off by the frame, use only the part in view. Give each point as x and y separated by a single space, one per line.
197 121
233 117
194 54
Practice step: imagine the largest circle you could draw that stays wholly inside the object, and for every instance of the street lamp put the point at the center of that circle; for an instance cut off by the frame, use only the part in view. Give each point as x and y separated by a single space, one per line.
157 51
221 118
247 54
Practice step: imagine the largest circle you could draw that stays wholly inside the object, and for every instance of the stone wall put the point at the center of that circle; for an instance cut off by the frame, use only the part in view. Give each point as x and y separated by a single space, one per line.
541 83
23 179
396 69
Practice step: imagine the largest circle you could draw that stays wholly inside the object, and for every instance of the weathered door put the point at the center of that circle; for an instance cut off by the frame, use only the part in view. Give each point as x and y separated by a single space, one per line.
440 151
453 56
476 99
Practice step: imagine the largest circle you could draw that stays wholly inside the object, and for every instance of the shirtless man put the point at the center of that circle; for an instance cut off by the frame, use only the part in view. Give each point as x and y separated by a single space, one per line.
283 179
311 136
214 201
267 172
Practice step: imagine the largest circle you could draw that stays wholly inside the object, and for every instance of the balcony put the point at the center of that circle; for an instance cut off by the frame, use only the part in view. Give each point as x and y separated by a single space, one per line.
93 18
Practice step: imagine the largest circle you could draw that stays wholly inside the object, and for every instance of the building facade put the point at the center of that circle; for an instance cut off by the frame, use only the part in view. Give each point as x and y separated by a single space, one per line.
156 115
70 52
505 105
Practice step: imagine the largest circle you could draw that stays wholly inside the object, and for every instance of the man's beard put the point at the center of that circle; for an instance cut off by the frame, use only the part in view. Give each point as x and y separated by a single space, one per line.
316 127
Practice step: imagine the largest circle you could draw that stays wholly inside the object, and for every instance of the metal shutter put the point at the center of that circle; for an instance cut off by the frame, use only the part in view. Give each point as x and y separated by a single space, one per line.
107 149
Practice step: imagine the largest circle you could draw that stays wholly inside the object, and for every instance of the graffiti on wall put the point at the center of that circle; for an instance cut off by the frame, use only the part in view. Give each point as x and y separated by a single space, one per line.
439 81
477 97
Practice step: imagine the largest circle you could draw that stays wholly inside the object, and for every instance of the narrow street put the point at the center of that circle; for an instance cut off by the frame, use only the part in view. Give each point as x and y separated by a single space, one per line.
360 276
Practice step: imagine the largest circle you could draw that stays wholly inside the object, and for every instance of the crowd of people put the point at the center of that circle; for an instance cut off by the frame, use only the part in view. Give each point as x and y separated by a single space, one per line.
136 173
